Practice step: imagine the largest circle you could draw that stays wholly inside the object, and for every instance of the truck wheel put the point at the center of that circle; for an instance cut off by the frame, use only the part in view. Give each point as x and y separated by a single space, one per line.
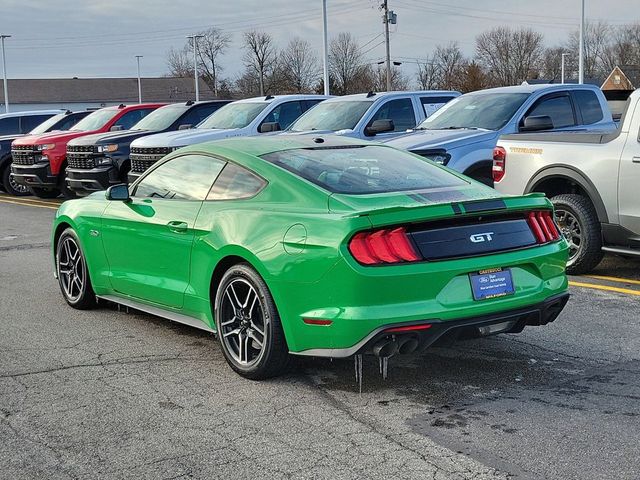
67 193
579 224
9 184
44 192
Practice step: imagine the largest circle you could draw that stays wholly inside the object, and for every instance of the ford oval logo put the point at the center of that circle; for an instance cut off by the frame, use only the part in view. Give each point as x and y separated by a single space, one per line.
481 237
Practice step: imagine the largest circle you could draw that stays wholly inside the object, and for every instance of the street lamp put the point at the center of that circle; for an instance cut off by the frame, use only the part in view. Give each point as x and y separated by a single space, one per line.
138 57
195 62
4 75
562 68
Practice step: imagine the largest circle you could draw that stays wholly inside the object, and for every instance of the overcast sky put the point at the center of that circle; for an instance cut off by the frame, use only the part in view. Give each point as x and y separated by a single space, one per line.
99 38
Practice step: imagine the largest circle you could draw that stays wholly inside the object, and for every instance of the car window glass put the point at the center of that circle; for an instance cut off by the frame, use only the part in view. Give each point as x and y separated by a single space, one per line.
30 122
559 109
400 111
187 177
307 104
285 114
589 106
129 119
332 115
431 105
9 125
198 114
235 183
69 121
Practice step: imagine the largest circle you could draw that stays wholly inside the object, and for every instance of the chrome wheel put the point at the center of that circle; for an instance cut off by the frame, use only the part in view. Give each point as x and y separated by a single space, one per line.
18 189
571 230
243 325
71 269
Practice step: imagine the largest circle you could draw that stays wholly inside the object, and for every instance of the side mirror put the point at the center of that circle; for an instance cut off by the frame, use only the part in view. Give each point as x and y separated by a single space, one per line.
118 192
267 127
379 126
116 128
537 123
186 126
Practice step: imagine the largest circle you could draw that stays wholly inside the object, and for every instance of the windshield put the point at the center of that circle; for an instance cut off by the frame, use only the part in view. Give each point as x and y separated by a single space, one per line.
95 120
161 118
234 115
334 116
490 111
363 169
47 124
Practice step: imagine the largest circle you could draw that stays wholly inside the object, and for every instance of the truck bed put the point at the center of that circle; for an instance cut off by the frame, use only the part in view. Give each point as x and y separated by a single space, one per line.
565 137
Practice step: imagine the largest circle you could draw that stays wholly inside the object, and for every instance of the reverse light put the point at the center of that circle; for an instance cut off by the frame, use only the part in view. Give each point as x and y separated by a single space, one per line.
107 148
386 246
543 226
499 163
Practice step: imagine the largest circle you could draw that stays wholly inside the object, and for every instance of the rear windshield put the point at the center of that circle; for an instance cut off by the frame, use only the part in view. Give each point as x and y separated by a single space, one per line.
361 170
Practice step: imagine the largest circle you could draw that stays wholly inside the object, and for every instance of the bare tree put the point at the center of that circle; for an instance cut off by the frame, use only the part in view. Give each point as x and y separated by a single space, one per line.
379 76
261 56
474 78
210 47
299 66
551 64
509 56
451 63
428 75
596 40
178 62
624 49
348 71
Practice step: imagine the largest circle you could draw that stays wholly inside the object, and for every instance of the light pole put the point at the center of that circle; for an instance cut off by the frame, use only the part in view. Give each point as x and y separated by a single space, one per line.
581 56
195 62
4 75
562 68
138 57
325 48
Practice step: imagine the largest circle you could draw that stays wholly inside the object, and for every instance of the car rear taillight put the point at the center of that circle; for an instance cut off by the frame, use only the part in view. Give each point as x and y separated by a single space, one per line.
383 247
499 163
543 226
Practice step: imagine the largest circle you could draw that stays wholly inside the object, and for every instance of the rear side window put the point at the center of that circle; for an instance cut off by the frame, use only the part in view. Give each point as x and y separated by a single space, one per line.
30 122
431 105
9 125
69 121
129 119
559 109
363 169
198 114
589 106
400 111
285 114
235 183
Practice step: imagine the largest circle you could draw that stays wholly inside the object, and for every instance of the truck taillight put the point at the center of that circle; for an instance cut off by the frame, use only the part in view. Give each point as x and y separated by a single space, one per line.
383 247
499 163
543 226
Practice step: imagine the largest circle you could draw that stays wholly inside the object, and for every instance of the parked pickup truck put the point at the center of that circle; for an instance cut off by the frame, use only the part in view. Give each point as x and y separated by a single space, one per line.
98 161
60 121
242 118
40 161
372 115
464 132
592 178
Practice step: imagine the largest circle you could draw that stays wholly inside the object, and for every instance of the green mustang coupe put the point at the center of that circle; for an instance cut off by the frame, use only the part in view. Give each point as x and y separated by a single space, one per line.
314 246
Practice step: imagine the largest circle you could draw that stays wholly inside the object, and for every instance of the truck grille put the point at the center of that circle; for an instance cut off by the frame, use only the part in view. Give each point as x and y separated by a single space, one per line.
80 161
80 148
143 157
23 155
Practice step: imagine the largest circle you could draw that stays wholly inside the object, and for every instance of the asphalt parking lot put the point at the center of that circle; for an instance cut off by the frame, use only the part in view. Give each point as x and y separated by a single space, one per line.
111 394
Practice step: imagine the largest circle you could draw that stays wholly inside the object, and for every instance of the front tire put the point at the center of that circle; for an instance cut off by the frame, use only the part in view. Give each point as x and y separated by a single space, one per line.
578 222
73 274
248 325
10 185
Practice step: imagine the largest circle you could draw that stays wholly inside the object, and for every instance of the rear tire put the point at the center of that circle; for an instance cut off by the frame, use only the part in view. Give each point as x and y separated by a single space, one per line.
9 184
578 222
73 274
45 192
248 325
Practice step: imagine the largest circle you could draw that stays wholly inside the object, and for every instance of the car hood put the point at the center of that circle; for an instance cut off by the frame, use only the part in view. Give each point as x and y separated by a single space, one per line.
122 136
10 138
51 137
318 132
446 139
181 138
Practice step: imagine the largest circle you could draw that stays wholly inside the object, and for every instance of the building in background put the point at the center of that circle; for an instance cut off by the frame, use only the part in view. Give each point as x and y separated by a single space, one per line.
82 93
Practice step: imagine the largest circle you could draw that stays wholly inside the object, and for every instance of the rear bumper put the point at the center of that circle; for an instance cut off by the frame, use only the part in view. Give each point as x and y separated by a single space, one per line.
92 180
510 321
38 175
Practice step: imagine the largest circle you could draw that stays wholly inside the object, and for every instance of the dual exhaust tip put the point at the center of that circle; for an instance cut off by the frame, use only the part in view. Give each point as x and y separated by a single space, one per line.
386 347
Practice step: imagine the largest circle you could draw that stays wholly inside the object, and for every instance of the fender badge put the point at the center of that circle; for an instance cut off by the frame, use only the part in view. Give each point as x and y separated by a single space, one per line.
94 233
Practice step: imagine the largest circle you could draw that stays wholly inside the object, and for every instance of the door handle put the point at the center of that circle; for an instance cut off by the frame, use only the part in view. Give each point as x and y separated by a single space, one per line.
635 159
177 226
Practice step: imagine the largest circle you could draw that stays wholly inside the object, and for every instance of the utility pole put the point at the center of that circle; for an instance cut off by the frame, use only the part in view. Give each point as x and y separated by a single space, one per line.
325 48
581 57
138 57
195 63
562 68
385 8
4 75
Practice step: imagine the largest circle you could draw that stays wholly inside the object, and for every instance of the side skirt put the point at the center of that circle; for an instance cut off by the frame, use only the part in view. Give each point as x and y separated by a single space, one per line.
159 312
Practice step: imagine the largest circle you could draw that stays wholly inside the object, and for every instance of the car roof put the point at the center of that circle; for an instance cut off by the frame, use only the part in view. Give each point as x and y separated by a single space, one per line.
274 98
29 113
372 96
526 88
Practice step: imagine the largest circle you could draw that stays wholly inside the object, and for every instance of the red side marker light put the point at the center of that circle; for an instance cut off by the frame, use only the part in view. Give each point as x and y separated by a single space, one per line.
409 328
317 321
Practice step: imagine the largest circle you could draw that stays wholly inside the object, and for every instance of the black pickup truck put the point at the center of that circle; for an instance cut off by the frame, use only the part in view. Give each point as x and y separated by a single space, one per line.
96 162
60 121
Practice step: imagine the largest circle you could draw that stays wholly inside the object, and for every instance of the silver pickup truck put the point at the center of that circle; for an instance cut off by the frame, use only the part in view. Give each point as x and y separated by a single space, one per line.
593 179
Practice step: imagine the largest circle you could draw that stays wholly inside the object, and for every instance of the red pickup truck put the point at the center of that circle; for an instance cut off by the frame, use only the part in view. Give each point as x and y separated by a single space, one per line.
39 161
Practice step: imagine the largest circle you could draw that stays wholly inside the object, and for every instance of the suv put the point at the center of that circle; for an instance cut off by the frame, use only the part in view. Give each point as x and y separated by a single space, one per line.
20 123
97 161
61 121
462 135
250 116
39 161
366 115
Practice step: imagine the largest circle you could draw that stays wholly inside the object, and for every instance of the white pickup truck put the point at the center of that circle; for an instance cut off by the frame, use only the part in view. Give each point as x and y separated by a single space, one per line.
593 179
